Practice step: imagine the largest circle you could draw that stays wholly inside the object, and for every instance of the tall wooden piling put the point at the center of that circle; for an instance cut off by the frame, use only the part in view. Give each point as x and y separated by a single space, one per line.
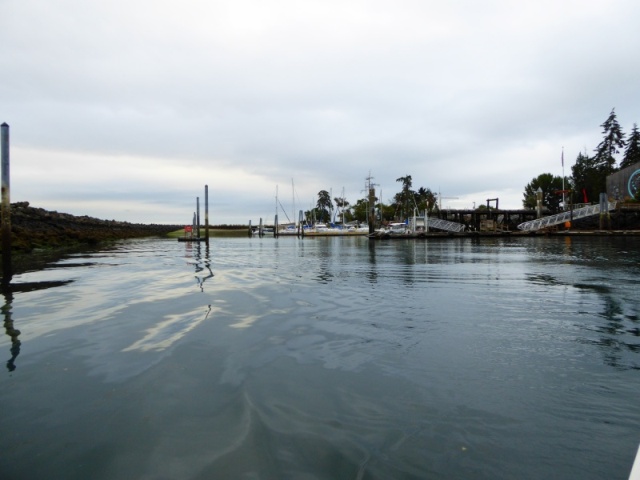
605 218
372 208
206 213
300 223
7 272
198 218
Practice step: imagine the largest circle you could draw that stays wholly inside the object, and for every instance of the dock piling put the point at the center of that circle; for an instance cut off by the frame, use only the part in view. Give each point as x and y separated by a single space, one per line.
300 223
206 213
198 218
7 272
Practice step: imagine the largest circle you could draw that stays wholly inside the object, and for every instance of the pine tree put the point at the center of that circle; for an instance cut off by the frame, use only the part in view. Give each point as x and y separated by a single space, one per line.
586 179
610 145
632 153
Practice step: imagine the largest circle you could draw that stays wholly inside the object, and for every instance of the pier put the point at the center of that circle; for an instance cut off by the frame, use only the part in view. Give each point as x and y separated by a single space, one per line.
612 219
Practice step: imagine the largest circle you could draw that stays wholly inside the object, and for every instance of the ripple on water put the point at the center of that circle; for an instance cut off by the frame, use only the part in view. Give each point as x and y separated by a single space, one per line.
341 358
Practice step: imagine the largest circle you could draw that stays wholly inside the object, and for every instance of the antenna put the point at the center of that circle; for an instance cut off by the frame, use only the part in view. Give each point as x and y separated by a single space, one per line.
440 198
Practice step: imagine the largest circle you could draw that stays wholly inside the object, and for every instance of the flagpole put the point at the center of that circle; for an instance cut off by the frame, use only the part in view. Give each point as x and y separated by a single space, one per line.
564 205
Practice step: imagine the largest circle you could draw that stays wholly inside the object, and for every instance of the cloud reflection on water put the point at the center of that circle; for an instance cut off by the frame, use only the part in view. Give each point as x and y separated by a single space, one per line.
170 330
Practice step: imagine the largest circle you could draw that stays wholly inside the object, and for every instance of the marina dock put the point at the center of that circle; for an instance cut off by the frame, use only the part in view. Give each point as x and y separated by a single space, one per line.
589 220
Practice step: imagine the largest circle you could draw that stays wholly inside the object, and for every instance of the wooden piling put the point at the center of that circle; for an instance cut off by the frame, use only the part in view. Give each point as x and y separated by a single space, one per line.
198 218
300 223
372 208
206 213
7 272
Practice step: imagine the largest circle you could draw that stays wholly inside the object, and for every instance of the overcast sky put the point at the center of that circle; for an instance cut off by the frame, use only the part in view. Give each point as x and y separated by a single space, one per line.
126 109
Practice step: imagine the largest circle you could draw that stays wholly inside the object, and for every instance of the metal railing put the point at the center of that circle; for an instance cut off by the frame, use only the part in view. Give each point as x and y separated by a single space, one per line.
563 217
445 225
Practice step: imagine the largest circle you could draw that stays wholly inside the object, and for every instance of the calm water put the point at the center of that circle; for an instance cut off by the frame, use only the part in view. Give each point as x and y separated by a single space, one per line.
325 359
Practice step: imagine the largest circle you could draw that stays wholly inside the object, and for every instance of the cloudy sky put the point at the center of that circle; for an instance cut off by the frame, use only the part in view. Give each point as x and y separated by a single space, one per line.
126 109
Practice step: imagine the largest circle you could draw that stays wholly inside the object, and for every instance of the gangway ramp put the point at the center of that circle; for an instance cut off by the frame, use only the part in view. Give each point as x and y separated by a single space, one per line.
445 225
563 217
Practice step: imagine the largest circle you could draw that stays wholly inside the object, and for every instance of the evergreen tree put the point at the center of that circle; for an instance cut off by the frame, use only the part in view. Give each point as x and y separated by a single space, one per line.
587 181
632 153
611 144
360 210
550 187
324 206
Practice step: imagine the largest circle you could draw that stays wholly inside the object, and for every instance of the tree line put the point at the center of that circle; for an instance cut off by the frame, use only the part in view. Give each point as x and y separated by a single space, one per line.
589 173
402 205
588 179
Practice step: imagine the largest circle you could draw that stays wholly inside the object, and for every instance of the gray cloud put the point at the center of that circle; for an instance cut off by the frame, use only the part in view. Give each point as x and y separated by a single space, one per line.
127 109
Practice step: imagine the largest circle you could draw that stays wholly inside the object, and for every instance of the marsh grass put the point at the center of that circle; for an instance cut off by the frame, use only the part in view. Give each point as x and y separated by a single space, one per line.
214 232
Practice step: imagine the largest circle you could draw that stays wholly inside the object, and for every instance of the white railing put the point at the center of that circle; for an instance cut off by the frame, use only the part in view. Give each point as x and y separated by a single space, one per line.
445 225
563 217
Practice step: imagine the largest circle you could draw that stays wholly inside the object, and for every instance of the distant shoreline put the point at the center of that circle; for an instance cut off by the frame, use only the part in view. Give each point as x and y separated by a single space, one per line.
36 229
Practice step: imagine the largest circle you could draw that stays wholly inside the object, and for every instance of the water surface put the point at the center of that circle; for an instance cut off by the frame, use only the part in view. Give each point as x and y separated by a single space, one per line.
325 358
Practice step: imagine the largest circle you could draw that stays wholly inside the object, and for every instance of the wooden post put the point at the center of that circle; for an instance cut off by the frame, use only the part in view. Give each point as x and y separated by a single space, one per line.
206 213
7 272
300 223
605 219
275 226
372 208
198 218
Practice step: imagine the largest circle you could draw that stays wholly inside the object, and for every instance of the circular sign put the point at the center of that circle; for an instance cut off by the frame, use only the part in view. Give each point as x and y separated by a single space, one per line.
634 183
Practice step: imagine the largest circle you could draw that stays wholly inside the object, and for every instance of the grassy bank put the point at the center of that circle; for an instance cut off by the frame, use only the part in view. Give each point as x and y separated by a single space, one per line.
214 232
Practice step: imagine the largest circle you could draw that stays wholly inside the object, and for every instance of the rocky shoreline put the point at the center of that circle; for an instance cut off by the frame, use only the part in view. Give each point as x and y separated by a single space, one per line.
37 228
